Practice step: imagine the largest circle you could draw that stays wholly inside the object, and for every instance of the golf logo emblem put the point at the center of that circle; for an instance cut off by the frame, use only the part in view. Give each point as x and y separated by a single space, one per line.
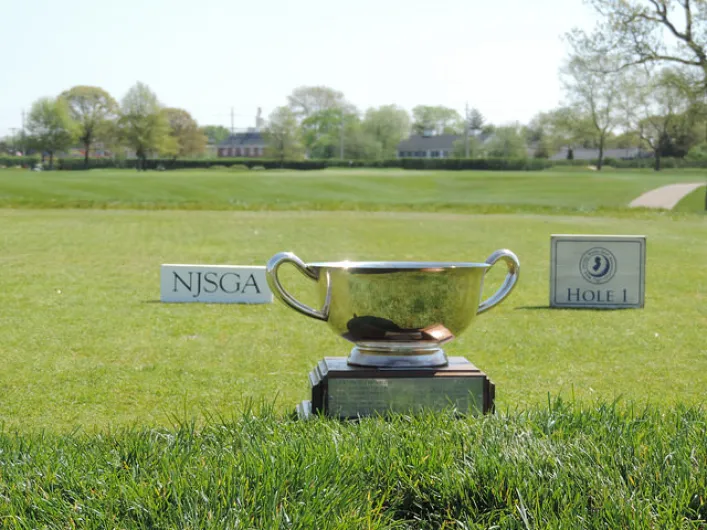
597 265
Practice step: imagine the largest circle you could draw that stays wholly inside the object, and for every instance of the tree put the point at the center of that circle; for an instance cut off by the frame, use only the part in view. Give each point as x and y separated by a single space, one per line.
143 125
562 127
472 148
306 101
626 140
9 144
326 132
317 108
50 127
93 110
507 142
436 120
187 138
651 31
655 31
387 125
359 144
474 124
215 133
475 121
283 135
593 85
656 107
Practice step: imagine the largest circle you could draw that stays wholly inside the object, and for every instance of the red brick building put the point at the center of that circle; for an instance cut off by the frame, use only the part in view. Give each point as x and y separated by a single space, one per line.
249 144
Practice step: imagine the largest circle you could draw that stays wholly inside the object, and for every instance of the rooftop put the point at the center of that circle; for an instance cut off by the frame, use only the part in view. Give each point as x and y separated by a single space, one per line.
247 138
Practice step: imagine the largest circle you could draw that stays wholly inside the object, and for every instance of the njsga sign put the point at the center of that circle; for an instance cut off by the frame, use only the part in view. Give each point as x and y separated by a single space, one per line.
597 271
226 284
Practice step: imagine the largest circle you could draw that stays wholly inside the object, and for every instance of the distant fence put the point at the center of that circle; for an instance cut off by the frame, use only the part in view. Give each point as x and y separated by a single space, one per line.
486 164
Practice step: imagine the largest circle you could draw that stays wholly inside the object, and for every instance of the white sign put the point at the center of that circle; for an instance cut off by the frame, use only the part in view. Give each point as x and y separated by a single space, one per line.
225 284
597 271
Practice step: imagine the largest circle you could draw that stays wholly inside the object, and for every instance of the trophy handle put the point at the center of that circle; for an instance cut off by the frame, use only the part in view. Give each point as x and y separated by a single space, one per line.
279 291
508 284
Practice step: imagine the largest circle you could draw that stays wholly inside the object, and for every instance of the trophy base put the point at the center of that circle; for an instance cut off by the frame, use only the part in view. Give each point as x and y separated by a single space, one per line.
397 358
304 410
345 391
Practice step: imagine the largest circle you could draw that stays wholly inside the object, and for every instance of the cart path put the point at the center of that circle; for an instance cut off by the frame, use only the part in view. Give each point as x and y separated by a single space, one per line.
665 197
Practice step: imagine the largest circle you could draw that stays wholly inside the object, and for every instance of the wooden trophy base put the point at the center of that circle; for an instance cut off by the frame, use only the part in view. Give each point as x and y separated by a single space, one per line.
343 391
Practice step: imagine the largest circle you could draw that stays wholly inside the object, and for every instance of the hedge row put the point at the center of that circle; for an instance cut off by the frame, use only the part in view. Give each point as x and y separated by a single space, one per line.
12 161
407 163
201 163
488 164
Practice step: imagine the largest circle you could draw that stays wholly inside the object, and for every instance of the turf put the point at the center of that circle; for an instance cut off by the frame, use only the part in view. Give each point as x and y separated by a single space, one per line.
86 345
118 411
694 202
333 189
548 467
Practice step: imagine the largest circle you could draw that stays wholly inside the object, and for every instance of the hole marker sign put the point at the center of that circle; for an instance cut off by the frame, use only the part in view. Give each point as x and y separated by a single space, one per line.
597 271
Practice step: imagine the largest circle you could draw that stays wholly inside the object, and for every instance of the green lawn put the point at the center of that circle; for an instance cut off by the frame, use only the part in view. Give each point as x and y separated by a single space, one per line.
557 467
118 411
334 189
693 202
85 343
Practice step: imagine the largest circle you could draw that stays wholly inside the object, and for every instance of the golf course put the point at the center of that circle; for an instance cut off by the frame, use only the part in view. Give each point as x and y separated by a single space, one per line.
116 407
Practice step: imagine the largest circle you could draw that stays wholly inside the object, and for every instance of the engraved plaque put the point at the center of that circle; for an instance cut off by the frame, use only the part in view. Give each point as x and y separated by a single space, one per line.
345 391
364 397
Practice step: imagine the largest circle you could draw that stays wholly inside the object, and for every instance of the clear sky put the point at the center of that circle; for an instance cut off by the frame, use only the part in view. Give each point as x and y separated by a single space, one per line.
207 56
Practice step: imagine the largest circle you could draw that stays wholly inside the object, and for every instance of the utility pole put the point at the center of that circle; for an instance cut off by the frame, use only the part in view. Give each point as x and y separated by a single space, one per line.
233 140
14 130
341 136
23 134
466 131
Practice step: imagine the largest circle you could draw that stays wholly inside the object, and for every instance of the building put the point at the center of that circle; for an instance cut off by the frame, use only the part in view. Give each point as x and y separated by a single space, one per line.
582 153
428 146
247 144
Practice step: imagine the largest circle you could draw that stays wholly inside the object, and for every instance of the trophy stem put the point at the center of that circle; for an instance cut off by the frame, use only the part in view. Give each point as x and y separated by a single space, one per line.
402 358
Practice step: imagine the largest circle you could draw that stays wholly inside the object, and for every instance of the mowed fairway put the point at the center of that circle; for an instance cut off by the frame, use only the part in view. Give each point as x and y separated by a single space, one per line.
85 343
335 189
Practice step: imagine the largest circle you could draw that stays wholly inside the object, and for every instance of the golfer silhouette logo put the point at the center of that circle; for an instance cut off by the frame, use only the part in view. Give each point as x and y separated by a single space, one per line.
597 265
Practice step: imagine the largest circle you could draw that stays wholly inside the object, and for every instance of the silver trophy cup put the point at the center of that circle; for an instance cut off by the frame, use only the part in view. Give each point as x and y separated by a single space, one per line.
398 314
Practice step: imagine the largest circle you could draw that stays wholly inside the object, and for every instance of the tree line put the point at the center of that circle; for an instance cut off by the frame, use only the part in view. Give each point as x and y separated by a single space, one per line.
88 115
636 80
642 71
639 79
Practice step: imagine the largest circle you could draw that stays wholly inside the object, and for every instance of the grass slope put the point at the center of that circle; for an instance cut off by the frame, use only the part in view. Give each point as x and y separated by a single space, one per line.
85 344
557 467
693 202
331 189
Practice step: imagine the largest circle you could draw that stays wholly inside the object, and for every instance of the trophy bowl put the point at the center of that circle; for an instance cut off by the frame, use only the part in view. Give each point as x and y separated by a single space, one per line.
397 313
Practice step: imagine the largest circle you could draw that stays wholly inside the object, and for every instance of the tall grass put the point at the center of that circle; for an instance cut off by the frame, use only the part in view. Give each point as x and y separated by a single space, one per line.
560 466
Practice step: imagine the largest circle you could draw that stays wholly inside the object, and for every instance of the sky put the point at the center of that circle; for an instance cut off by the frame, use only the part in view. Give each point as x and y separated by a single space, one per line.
211 56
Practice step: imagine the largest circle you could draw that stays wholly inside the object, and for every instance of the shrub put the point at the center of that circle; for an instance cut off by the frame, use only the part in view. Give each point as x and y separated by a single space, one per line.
487 164
240 164
22 161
